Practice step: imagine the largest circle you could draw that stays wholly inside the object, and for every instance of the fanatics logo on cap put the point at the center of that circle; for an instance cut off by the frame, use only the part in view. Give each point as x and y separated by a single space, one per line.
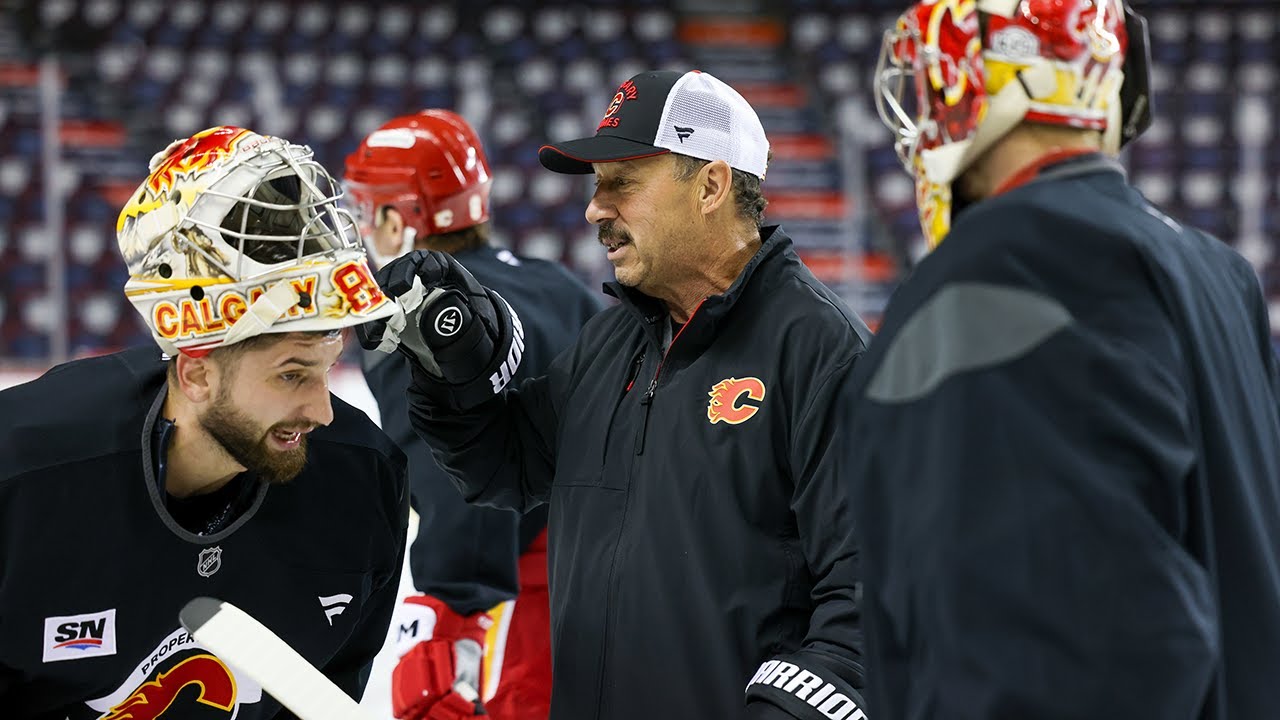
682 132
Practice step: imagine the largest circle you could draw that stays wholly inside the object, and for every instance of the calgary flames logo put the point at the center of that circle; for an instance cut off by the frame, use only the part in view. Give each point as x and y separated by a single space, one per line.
627 91
217 688
727 403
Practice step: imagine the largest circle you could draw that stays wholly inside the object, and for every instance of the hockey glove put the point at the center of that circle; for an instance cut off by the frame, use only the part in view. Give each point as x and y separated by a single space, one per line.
804 689
465 341
440 678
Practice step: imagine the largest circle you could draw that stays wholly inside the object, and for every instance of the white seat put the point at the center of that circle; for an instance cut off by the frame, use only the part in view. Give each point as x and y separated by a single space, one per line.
1168 27
1202 130
552 25
395 22
301 68
389 71
270 17
100 312
186 14
354 19
603 25
311 19
653 25
1212 25
101 12
809 31
1159 187
431 71
15 173
1202 188
345 69
325 122
229 15
503 24
143 14
542 244
1205 77
437 23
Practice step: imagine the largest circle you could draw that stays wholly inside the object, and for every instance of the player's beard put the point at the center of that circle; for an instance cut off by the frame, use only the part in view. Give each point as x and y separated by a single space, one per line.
246 442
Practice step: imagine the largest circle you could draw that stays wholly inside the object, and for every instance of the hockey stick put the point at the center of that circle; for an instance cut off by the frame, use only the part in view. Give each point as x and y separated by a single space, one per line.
240 640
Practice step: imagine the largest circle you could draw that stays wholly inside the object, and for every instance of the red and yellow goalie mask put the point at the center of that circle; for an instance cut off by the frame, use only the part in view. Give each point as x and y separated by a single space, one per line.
955 76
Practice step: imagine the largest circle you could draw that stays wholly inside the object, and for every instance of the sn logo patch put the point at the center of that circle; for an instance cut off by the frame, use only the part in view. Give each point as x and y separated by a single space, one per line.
74 637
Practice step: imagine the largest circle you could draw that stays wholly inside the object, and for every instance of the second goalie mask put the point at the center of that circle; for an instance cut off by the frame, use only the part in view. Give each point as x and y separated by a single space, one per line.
954 77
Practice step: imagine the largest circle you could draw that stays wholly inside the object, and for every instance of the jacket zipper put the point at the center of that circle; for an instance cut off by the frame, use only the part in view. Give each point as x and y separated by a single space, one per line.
647 400
636 366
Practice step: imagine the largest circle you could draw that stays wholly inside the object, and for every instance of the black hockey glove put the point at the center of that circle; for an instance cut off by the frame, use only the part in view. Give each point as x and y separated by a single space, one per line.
464 340
804 689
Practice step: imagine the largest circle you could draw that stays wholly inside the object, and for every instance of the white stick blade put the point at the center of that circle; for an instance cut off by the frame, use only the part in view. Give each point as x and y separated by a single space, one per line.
240 640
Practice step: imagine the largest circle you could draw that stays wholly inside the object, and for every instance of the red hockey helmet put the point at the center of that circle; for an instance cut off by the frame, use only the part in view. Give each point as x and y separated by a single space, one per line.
957 75
429 166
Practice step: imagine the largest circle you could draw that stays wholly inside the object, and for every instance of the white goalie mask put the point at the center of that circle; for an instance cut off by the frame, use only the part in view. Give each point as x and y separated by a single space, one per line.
234 234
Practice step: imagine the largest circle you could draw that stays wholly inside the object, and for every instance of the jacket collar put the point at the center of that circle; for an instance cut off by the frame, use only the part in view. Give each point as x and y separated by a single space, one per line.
699 331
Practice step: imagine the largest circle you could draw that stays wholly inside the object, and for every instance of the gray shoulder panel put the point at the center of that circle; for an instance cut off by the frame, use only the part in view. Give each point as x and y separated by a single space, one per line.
964 326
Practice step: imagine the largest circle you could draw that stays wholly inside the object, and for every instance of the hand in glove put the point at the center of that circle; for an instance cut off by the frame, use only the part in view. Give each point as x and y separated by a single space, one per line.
440 678
464 339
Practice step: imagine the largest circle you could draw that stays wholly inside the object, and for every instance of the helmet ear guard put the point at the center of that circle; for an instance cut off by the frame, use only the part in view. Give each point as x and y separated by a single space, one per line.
1135 93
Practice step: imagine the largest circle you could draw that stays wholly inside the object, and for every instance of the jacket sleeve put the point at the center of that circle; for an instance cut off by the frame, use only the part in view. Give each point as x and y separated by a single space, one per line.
502 452
1033 564
822 678
349 668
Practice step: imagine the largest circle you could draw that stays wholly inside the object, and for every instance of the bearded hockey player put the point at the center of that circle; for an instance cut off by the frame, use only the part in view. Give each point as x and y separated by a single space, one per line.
133 482
1066 451
422 182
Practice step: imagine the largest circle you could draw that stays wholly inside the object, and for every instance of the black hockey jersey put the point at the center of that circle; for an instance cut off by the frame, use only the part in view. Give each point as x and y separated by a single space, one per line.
1066 461
466 554
95 570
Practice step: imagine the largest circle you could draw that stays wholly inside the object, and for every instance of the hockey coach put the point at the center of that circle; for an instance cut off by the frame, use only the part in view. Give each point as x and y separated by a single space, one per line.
701 562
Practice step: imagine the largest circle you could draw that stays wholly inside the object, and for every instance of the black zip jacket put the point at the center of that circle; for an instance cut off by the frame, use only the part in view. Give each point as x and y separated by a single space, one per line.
1067 452
466 555
700 523
94 568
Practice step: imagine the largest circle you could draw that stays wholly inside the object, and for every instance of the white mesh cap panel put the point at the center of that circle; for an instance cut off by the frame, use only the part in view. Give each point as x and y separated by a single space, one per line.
707 119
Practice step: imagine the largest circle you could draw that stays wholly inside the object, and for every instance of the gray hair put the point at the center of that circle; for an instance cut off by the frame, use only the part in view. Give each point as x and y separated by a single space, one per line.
747 195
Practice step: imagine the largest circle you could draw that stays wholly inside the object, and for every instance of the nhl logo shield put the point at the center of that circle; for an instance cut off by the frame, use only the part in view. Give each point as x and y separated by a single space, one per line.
209 562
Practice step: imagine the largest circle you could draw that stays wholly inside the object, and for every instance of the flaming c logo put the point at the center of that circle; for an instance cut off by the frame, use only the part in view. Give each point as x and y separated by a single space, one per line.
728 403
152 699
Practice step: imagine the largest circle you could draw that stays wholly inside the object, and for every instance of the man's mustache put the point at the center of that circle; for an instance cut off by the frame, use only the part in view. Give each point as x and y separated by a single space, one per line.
609 232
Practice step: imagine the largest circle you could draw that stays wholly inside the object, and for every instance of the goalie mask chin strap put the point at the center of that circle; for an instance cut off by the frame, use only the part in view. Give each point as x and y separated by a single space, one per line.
264 312
257 319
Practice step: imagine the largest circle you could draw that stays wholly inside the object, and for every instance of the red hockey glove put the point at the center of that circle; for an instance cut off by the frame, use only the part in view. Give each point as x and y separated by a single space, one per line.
440 677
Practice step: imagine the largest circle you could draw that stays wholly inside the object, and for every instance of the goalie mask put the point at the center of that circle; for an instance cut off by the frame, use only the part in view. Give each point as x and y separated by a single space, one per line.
234 234
429 167
955 76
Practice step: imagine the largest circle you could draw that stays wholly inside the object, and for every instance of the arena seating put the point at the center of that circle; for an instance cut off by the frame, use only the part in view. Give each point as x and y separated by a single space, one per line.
138 74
